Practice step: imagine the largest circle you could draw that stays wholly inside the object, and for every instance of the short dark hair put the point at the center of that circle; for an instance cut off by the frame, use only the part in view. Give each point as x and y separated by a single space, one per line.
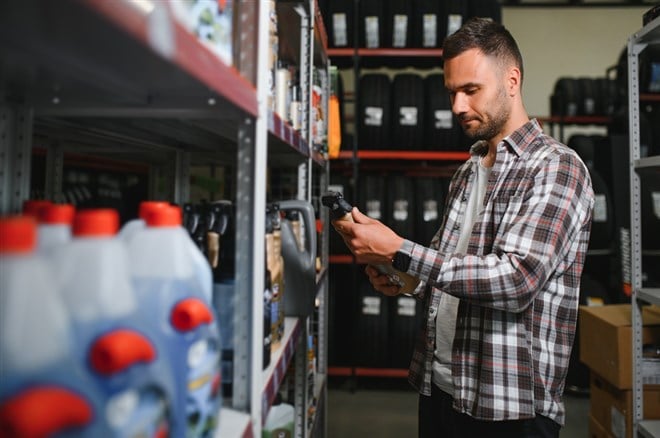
491 38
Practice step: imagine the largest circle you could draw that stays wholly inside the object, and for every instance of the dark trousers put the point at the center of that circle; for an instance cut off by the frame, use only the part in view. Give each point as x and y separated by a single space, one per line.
437 418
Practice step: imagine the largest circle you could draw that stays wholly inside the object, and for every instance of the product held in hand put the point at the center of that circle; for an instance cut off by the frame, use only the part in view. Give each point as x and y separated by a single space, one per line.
341 211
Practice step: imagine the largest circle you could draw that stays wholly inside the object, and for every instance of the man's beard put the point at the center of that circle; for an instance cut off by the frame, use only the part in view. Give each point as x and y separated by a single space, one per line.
493 124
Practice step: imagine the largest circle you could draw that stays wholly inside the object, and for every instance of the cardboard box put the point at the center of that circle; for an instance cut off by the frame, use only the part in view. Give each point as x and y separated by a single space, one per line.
611 407
606 340
597 430
654 309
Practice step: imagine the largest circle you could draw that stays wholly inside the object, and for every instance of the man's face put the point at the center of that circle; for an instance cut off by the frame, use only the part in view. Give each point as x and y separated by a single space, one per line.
478 94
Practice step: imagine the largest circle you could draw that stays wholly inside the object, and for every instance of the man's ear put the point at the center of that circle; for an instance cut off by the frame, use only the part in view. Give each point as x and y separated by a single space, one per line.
514 81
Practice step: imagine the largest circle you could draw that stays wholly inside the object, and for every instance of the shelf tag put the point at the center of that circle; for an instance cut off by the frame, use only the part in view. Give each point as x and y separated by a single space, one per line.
340 29
408 116
430 36
656 203
400 31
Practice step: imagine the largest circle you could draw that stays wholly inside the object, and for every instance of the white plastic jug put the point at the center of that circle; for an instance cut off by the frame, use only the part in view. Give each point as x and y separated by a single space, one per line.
173 280
124 360
138 223
54 229
36 344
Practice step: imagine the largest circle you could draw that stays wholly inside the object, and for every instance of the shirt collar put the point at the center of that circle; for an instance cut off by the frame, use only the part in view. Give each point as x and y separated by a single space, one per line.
523 136
518 139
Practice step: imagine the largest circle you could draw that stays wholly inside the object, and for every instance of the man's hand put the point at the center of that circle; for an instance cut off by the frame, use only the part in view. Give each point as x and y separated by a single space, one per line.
368 239
381 283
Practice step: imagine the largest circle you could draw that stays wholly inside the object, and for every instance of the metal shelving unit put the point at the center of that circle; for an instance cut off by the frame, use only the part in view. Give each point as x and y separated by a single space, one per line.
125 79
648 35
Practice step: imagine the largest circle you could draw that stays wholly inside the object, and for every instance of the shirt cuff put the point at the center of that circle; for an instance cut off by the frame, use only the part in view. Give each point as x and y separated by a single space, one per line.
408 247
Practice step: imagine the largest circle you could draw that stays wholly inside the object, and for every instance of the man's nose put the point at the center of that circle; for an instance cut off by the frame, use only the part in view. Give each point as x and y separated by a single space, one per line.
459 104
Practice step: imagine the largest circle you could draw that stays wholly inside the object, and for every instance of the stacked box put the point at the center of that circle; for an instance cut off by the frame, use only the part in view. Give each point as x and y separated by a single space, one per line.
606 348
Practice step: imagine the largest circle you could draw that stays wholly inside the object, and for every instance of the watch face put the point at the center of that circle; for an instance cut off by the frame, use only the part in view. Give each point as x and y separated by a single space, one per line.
401 261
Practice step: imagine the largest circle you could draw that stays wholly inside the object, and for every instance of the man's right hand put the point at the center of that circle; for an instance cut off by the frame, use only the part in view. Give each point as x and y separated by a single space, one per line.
381 282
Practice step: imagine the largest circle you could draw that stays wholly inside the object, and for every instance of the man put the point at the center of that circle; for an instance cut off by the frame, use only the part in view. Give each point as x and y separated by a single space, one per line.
501 277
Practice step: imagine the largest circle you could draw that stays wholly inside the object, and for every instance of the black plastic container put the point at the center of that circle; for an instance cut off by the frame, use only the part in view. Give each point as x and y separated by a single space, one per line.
441 130
374 115
407 112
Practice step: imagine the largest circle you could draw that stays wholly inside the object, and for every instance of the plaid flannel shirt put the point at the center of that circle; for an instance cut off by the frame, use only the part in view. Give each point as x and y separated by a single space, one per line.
518 284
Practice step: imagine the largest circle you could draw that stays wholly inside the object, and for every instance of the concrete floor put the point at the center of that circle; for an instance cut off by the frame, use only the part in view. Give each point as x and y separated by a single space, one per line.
378 408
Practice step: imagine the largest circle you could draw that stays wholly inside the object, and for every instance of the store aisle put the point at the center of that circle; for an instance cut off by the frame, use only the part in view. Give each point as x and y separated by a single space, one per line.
389 409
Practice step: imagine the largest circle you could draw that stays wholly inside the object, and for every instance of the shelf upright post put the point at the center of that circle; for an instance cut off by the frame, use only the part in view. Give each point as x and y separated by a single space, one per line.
306 83
250 248
300 387
54 172
635 227
181 189
16 157
642 374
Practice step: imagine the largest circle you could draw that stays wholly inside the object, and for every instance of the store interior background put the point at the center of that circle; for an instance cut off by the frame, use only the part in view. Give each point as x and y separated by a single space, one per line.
555 42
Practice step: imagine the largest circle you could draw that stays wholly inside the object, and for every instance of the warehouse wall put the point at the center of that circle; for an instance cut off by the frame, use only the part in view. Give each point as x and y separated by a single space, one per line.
567 42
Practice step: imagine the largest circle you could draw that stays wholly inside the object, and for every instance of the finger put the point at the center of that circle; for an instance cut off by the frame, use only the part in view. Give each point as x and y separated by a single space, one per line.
371 271
390 290
359 217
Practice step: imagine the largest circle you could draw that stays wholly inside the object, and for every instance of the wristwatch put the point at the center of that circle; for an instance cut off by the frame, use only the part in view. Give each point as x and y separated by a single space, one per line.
401 261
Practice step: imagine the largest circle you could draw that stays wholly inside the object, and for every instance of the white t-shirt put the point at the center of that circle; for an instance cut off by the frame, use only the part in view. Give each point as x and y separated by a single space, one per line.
445 326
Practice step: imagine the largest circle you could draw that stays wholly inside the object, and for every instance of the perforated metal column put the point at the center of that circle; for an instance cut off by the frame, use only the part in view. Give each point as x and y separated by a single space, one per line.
15 157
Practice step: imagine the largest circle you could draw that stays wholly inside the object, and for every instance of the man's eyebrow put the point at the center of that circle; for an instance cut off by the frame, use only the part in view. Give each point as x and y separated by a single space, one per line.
464 86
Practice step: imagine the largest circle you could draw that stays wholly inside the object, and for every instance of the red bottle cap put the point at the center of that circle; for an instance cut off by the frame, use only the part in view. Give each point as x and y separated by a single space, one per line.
169 216
18 234
190 313
42 412
32 207
146 206
96 222
120 349
57 214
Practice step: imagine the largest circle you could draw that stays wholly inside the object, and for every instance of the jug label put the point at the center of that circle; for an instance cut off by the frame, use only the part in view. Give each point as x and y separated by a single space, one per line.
454 22
371 305
400 30
443 119
430 30
430 210
408 116
600 208
339 27
371 29
373 116
400 210
373 209
406 306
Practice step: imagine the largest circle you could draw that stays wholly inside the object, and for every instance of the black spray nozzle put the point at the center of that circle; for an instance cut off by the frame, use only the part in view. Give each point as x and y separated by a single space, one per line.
336 203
